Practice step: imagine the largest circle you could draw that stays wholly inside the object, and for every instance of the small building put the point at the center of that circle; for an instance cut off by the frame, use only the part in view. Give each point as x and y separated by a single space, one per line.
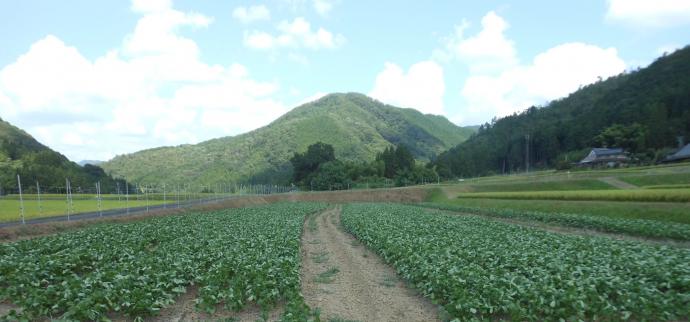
605 156
680 155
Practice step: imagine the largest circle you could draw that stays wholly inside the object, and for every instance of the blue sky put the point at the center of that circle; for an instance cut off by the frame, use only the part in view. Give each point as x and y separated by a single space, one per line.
93 79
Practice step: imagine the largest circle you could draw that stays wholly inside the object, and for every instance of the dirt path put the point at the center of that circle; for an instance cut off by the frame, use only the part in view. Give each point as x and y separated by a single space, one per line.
618 183
348 282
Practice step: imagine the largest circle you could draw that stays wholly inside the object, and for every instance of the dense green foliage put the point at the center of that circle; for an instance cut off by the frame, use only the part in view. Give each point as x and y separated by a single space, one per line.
317 169
357 126
635 227
644 111
304 164
22 154
235 257
482 269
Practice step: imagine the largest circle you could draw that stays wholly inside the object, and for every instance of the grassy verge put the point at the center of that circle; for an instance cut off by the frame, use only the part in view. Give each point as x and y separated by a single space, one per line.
642 195
9 209
660 179
587 184
661 211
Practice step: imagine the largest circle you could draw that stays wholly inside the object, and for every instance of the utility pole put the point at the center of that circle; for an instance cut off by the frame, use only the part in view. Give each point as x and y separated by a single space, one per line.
68 190
21 199
98 198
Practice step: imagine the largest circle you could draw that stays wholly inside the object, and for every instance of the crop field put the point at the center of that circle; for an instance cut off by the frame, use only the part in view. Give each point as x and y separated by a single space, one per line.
234 257
51 205
641 176
481 269
661 211
577 184
9 209
644 195
629 226
659 179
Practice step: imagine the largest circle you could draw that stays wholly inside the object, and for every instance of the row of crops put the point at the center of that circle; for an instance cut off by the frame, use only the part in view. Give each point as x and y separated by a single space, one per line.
234 257
635 227
482 269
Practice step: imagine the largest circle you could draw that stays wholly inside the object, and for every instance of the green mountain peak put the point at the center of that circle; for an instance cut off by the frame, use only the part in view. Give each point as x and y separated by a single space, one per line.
356 125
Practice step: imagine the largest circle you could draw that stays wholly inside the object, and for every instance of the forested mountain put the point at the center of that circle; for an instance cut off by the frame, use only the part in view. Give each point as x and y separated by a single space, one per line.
357 126
642 111
21 154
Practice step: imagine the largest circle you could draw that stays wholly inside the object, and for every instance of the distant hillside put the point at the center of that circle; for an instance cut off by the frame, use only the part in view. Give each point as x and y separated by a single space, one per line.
644 111
21 154
357 126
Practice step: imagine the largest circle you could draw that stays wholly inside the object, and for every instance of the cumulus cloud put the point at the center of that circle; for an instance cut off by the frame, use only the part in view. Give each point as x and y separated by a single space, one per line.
649 14
148 6
254 13
422 87
323 7
152 90
294 34
552 74
487 51
498 84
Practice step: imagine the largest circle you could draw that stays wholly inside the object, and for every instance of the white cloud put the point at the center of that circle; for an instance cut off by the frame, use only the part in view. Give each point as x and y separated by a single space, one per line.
153 90
148 6
295 34
251 14
323 7
422 87
648 13
498 84
552 74
487 51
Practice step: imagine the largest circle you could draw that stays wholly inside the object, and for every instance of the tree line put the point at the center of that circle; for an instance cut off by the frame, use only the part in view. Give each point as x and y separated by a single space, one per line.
644 112
318 169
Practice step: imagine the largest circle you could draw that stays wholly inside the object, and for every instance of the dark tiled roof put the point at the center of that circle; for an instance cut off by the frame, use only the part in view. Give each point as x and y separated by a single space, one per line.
606 151
683 153
605 155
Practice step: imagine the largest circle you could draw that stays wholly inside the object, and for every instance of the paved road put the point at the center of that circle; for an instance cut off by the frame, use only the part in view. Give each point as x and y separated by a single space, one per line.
111 213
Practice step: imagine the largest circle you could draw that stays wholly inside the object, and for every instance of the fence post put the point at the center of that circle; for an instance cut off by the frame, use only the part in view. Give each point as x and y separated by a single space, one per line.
165 204
127 195
67 190
21 199
98 198
146 196
38 196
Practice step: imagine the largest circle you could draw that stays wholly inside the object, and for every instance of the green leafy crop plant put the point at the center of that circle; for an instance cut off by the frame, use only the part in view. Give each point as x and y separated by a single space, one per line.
480 269
234 257
635 227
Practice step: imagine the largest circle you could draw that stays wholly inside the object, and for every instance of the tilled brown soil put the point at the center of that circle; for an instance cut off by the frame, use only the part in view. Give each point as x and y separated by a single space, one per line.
364 287
184 310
